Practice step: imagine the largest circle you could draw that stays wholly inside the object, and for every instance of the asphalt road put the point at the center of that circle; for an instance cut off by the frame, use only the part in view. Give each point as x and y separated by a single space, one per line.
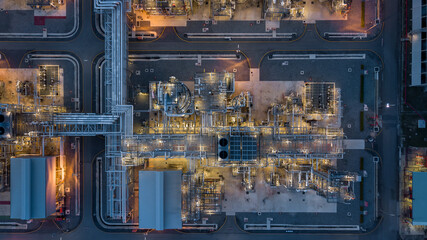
86 45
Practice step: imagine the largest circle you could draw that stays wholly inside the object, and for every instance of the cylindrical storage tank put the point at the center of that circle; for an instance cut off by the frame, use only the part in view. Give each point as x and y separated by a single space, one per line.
223 154
223 142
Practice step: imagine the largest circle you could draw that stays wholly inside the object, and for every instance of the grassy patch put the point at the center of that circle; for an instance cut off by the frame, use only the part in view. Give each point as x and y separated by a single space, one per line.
361 163
362 67
362 88
362 17
362 121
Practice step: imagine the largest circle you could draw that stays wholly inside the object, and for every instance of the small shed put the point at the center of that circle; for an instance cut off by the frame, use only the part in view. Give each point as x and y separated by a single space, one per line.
160 200
32 187
419 198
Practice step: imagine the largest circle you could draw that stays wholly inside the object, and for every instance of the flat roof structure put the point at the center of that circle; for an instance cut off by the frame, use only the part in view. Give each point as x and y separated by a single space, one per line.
419 42
160 200
419 198
243 148
32 187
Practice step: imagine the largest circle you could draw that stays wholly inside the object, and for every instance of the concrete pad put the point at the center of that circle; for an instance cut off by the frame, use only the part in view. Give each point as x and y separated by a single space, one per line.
243 12
266 199
10 77
4 196
60 11
14 5
316 11
22 5
254 74
200 12
354 143
166 21
4 203
266 92
53 13
270 25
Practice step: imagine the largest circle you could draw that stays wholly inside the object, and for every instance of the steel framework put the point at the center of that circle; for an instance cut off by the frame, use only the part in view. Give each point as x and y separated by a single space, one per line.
114 90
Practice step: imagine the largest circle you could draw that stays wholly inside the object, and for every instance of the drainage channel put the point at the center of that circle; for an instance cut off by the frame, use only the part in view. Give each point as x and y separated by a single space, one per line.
316 56
197 57
358 35
290 227
229 36
13 225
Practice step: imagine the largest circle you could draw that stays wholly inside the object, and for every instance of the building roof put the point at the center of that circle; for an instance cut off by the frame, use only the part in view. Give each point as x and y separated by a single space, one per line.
419 198
243 148
418 44
160 200
32 187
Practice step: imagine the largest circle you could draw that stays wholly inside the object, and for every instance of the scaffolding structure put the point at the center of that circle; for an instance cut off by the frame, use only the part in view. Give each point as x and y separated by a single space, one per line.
211 90
116 119
320 98
172 97
114 91
301 140
275 10
224 8
164 7
200 196
341 6
299 133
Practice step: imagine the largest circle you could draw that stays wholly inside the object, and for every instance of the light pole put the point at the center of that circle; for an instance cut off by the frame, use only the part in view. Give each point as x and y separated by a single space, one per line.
410 35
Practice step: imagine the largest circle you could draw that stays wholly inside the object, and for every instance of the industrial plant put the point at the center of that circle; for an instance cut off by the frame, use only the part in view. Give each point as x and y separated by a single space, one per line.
194 119
200 150
32 159
177 13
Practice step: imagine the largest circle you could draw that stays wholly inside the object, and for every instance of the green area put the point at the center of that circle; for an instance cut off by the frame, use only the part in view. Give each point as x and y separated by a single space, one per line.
362 20
362 88
361 163
362 67
362 121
